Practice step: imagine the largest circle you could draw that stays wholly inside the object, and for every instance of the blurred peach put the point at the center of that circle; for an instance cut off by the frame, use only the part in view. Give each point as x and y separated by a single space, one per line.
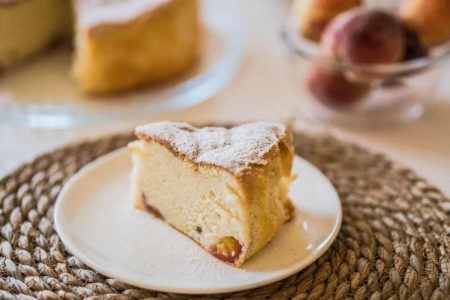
314 15
429 18
332 89
364 36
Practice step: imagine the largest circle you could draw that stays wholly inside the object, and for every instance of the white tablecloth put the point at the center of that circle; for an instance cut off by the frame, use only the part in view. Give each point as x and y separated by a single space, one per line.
262 90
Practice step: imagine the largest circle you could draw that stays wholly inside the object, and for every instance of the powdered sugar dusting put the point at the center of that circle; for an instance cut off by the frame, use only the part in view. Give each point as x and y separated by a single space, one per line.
234 149
92 12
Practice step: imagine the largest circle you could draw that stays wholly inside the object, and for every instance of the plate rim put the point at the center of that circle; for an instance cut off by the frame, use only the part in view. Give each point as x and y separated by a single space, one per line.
295 268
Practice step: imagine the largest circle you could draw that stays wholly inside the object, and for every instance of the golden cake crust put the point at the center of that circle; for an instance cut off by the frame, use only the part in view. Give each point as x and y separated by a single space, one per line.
240 160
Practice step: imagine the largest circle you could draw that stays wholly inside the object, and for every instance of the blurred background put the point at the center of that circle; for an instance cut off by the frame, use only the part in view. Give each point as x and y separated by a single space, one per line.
248 71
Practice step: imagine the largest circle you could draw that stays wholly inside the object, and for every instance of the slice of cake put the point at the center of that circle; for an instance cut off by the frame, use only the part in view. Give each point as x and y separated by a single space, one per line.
126 44
227 189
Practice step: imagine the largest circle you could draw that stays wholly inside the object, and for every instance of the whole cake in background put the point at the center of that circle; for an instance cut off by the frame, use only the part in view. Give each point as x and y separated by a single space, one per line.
227 189
118 44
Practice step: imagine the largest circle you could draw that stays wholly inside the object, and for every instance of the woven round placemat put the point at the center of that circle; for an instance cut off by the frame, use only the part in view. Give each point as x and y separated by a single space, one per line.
394 242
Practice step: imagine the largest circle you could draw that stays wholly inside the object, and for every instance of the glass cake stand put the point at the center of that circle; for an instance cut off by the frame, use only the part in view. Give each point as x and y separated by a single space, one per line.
40 93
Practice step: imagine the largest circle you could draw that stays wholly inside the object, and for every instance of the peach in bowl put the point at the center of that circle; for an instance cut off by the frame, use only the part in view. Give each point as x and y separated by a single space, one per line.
370 65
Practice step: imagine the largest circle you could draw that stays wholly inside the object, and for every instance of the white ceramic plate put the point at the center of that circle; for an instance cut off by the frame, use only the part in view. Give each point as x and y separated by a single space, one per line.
96 221
40 92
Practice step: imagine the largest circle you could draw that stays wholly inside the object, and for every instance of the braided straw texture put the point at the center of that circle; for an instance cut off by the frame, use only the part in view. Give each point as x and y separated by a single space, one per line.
394 242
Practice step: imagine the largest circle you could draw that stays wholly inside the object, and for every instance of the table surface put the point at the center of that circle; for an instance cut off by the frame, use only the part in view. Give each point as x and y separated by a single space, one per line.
423 145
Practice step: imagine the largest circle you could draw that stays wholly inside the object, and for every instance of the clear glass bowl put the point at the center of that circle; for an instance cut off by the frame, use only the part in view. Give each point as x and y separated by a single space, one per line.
40 93
385 93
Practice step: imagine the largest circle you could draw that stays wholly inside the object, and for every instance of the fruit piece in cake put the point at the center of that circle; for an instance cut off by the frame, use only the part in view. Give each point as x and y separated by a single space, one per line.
313 15
227 189
364 36
121 45
430 19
